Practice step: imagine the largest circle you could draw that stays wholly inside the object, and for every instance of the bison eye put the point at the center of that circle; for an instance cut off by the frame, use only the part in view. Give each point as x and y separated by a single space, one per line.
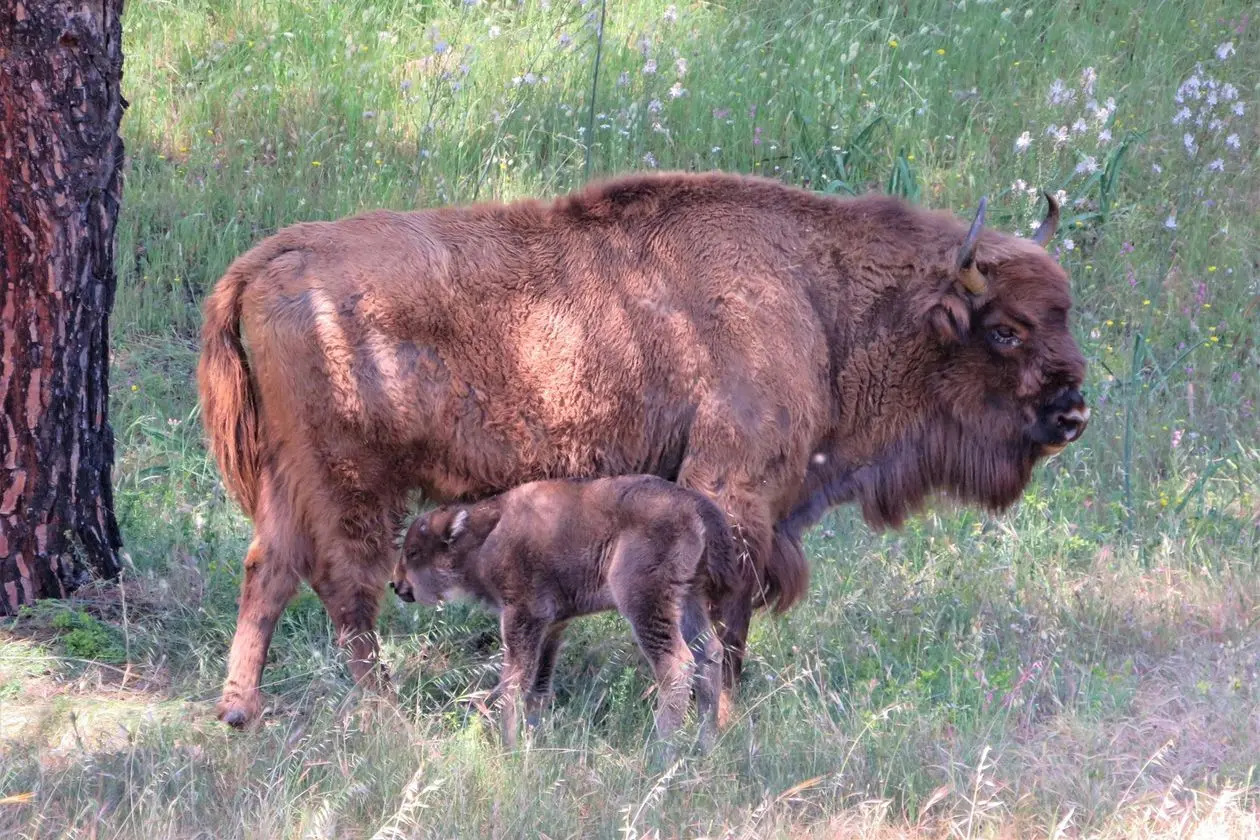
1004 337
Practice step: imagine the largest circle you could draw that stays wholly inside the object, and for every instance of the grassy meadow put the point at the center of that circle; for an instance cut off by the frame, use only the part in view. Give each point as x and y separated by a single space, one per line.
1087 665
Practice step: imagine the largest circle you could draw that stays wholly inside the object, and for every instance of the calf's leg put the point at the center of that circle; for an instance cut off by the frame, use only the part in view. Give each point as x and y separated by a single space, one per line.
706 650
752 531
540 690
522 642
647 589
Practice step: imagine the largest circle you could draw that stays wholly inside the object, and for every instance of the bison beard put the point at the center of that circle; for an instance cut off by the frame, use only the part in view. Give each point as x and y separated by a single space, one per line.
714 330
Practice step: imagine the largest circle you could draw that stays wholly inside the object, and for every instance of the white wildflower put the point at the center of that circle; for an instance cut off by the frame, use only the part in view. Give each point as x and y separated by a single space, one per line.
1104 137
1060 94
1217 165
650 160
1069 245
1191 88
1061 197
680 66
1022 143
1233 142
677 90
1080 126
1088 78
715 150
671 13
530 78
1187 140
1225 50
1156 168
1171 223
494 32
649 67
1019 186
1089 165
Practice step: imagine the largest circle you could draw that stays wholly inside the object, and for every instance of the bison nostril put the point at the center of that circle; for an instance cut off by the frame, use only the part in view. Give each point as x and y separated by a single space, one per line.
1072 423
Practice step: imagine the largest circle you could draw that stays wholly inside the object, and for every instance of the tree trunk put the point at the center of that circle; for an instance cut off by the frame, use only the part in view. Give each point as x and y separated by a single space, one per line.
60 184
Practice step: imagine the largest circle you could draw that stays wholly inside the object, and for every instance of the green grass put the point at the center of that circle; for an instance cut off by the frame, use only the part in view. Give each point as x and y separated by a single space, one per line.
1086 664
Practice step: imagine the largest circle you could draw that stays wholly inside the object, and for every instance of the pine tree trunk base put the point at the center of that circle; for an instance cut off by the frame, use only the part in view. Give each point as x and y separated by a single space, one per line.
60 186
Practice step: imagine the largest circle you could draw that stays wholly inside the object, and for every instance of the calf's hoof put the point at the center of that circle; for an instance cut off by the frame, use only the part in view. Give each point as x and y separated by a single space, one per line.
707 740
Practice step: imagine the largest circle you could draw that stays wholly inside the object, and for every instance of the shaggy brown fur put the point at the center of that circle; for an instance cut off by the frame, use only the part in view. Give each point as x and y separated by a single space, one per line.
550 551
712 329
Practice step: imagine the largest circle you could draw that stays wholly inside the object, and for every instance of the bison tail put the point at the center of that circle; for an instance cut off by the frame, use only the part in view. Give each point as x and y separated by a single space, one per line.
229 398
787 573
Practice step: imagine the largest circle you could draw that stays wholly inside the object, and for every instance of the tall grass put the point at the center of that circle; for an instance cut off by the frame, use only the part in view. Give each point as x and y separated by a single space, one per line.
1085 665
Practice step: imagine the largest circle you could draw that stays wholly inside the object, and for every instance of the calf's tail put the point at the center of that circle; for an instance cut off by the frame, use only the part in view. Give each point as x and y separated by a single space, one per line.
721 562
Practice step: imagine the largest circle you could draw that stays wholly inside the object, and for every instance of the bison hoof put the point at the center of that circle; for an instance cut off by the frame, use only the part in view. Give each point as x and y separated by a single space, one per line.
237 714
234 718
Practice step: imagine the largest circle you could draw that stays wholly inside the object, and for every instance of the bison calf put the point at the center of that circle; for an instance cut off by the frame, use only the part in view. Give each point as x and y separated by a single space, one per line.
550 551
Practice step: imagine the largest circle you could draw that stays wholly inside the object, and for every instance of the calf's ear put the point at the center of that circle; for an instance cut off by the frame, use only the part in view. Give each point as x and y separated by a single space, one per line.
459 523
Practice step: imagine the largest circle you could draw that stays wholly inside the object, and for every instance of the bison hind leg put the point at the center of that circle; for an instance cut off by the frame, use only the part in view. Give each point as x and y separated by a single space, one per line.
355 557
280 552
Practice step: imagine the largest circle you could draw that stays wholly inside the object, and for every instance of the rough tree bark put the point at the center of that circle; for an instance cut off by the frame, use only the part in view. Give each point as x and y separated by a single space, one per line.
60 184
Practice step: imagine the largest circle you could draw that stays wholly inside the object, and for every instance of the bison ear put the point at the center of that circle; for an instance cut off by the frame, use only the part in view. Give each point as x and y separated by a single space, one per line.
950 318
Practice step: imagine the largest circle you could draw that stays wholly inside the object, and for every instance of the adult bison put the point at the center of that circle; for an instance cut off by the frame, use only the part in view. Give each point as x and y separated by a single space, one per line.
722 331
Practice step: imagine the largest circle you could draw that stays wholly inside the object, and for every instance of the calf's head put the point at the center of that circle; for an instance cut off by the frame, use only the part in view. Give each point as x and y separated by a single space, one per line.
428 571
1004 374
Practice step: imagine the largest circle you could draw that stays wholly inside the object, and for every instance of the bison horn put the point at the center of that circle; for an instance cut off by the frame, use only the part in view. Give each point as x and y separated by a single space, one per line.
1045 231
972 279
